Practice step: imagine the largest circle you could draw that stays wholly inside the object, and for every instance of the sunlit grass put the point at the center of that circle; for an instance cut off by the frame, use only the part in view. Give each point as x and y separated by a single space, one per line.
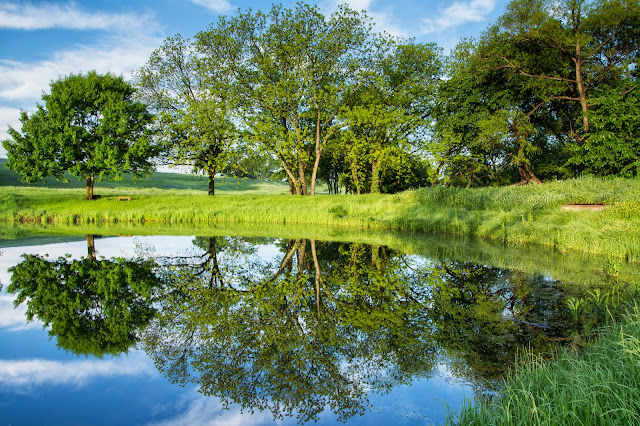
512 215
598 387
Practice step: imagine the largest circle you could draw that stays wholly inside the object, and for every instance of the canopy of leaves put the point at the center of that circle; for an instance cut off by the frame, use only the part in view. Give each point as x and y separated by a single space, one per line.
94 307
90 125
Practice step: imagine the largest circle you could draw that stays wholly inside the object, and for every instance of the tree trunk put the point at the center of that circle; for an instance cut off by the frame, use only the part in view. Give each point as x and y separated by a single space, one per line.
91 247
318 275
526 174
291 188
212 183
293 182
89 188
375 178
301 178
316 162
216 275
582 92
354 174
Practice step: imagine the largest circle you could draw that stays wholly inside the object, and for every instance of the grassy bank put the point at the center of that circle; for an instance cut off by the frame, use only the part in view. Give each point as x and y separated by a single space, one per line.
571 267
526 214
599 387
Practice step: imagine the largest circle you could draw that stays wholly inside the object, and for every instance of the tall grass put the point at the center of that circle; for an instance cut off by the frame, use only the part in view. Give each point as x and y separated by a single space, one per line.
599 387
511 215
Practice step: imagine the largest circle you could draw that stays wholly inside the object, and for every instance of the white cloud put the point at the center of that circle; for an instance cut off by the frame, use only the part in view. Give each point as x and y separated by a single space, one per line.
128 41
459 13
14 319
357 4
27 16
23 83
215 5
208 411
8 117
383 19
37 372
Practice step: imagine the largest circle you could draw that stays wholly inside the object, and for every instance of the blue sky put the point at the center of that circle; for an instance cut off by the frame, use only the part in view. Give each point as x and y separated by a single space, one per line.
41 41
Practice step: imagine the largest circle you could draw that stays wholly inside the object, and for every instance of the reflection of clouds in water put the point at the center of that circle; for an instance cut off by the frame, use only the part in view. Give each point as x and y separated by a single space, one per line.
105 247
197 409
13 319
27 373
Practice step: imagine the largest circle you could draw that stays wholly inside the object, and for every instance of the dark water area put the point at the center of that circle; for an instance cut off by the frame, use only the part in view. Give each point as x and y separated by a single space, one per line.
162 330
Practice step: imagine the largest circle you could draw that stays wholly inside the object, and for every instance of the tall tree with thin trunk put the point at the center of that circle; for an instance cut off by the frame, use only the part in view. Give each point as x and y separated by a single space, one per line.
195 105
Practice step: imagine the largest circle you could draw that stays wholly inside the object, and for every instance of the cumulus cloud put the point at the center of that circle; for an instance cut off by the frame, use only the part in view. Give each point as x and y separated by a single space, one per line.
26 81
197 409
459 13
23 83
14 319
215 5
384 20
38 372
357 4
28 16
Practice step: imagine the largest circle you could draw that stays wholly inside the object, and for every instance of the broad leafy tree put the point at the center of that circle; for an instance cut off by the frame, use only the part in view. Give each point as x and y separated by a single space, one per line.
294 69
93 306
318 329
90 126
569 54
389 116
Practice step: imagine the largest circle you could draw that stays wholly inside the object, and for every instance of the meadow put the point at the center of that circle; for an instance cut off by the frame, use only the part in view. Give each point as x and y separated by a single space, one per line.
516 215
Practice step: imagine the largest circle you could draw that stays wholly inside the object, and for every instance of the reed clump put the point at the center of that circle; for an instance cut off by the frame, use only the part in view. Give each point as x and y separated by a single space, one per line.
599 385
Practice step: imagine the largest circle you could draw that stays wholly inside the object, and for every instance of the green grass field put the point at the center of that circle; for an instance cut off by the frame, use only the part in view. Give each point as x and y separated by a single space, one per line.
511 215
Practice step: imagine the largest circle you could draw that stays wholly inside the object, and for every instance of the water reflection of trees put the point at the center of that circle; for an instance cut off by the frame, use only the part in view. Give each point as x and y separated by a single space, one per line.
308 332
93 306
327 323
321 325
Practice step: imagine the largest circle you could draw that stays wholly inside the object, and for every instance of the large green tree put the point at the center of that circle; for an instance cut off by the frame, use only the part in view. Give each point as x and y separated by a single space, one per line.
390 115
316 330
195 105
568 54
90 126
294 69
93 306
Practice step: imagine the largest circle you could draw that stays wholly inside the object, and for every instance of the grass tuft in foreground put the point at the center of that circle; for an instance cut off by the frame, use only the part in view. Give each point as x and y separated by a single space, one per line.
600 386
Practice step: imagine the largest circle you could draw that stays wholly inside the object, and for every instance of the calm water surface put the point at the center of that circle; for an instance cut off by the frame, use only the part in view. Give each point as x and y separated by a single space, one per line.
229 330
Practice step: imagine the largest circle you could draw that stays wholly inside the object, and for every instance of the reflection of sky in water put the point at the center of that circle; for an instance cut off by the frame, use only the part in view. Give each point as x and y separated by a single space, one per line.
40 384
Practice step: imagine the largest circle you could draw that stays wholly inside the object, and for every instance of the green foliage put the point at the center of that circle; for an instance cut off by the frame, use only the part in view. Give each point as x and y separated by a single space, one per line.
599 386
293 70
326 324
196 106
94 307
90 126
389 119
558 64
614 147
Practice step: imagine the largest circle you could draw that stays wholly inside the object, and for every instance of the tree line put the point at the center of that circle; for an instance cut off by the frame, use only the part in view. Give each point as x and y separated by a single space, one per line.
548 91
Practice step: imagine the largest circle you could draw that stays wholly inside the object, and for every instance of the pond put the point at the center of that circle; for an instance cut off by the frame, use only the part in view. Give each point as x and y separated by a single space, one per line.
163 330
